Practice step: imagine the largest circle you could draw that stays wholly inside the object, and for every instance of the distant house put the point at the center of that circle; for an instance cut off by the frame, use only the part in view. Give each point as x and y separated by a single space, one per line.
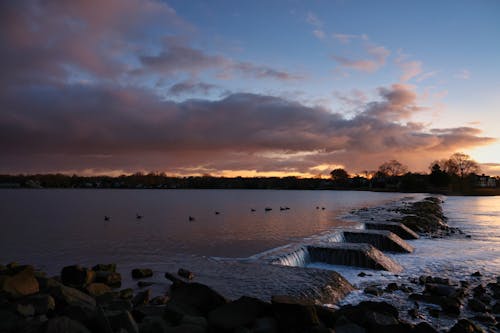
486 181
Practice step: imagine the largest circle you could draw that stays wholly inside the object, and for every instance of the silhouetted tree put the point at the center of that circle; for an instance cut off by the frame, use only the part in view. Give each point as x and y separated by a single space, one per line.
438 177
339 174
462 165
392 168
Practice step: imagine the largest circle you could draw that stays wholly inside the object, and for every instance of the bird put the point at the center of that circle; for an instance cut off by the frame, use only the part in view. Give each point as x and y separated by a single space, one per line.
107 218
282 208
137 216
217 213
322 208
190 218
267 209
317 207
252 210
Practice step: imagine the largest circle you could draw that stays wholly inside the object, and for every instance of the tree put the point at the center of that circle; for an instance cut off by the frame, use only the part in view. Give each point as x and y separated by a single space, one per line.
438 177
392 168
462 165
339 174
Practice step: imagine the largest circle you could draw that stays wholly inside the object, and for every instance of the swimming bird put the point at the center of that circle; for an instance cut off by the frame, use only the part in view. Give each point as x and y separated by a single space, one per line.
322 208
190 218
317 207
282 208
252 210
217 213
137 216
267 209
107 218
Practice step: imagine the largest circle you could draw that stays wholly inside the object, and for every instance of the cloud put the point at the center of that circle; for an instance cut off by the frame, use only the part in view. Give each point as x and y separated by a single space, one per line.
126 128
320 34
313 20
346 38
378 56
189 87
463 74
410 70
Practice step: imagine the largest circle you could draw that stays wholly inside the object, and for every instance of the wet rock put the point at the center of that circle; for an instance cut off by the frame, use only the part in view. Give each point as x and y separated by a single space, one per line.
440 289
476 274
451 305
118 305
293 315
142 297
46 283
424 327
372 290
153 325
265 325
67 296
391 287
433 312
159 300
105 267
76 276
348 327
238 313
97 289
141 273
122 320
362 274
496 308
41 303
465 326
10 321
185 274
195 298
127 293
25 310
174 279
485 318
22 283
476 305
64 325
142 284
111 279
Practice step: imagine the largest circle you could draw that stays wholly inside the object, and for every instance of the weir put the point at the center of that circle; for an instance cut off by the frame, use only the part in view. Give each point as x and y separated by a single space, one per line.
395 227
382 239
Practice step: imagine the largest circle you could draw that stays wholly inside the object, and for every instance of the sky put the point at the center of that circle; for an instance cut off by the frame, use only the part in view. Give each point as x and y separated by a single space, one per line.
247 88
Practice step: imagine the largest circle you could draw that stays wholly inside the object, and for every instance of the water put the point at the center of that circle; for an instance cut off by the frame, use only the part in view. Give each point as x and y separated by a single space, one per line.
52 228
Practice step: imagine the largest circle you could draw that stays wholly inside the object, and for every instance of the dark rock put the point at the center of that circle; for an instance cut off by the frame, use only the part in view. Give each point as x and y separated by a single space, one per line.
465 326
142 311
127 293
479 290
424 327
293 315
265 325
326 316
174 279
195 297
348 327
64 325
159 300
476 305
440 289
105 267
97 289
41 303
153 325
476 274
185 274
111 279
140 273
362 274
67 296
142 297
372 290
451 305
142 284
46 283
186 329
107 297
10 321
433 312
238 313
122 320
22 283
485 318
76 276
391 287
496 308
118 305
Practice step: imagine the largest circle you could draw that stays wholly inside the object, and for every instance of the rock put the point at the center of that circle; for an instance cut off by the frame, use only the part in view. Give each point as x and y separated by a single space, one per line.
174 279
476 305
76 276
127 293
153 325
349 328
450 305
118 305
41 303
194 320
391 287
293 315
23 283
496 308
265 325
140 273
111 279
241 312
142 298
159 300
122 320
142 284
186 329
424 327
440 289
362 274
479 290
46 283
476 274
185 274
372 290
10 321
64 325
105 267
97 289
465 326
67 296
485 318
195 297
108 297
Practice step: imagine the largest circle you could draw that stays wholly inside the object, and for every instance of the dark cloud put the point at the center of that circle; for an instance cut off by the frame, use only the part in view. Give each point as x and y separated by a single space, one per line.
189 87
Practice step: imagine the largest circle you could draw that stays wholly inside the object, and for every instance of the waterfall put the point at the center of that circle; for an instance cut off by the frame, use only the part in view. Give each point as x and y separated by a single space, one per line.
297 258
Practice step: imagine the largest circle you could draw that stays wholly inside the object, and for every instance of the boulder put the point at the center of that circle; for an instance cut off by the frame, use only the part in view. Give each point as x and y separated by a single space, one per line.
477 305
293 315
122 320
67 296
465 326
22 283
265 325
142 298
195 298
153 325
76 276
105 267
10 321
41 303
424 327
185 273
97 289
127 293
440 289
111 279
241 312
140 273
372 290
64 325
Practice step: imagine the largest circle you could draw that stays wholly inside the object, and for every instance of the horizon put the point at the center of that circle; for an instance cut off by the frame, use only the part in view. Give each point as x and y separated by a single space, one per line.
230 88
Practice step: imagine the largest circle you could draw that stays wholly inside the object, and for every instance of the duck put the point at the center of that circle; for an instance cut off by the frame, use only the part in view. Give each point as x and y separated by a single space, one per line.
190 218
137 216
267 209
217 213
252 210
107 218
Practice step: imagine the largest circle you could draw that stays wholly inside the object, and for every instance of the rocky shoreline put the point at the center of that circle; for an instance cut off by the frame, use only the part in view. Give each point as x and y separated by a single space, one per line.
84 300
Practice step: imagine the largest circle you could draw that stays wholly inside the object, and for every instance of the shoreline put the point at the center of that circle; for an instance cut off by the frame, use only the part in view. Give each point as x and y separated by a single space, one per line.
440 300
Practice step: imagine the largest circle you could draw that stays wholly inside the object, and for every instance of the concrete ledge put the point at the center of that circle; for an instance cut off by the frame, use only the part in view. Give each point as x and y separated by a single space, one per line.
383 240
398 228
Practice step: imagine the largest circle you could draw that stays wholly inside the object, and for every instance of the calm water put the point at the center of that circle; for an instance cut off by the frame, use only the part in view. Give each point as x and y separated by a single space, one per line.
52 228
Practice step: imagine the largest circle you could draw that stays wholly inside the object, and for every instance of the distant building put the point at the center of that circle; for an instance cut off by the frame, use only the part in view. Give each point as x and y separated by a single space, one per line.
486 181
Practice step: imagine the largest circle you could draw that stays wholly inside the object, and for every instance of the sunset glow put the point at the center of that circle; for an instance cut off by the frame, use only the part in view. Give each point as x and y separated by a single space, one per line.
241 88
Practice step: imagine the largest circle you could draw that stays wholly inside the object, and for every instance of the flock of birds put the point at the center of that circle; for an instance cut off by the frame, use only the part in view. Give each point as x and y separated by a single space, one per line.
191 218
